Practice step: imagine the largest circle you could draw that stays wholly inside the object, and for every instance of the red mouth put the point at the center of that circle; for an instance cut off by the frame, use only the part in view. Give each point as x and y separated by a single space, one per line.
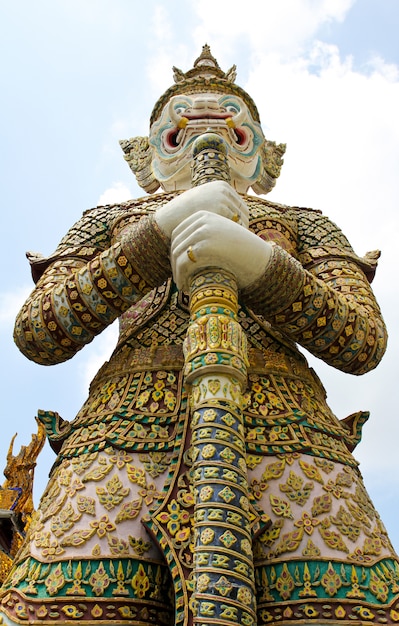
172 135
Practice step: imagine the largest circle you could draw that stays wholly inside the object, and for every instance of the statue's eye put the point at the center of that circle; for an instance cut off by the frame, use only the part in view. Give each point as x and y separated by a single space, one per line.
233 109
180 109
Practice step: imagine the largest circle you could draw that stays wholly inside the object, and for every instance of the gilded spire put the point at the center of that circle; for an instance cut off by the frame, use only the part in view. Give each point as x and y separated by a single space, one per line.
205 66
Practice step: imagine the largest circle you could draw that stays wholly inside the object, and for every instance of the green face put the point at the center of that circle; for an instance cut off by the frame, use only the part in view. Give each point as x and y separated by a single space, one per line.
186 117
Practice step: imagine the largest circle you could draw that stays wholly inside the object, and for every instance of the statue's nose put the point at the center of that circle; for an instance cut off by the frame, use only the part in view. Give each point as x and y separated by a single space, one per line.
206 103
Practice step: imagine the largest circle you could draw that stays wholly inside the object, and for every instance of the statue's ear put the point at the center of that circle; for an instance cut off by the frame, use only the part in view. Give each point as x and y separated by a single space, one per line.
272 162
138 155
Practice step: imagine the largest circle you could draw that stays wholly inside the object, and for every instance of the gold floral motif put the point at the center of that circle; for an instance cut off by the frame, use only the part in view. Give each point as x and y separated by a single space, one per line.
336 490
82 463
307 522
208 451
296 490
74 486
355 592
228 539
77 580
49 505
307 591
206 493
311 551
86 504
77 538
119 458
245 595
321 504
64 521
174 518
348 526
52 506
54 581
257 488
372 545
325 465
223 586
136 475
102 527
227 494
118 547
99 580
378 587
155 463
96 611
332 539
330 581
65 475
140 582
281 507
285 584
139 546
207 536
98 473
358 514
271 534
71 611
289 542
113 493
273 470
253 461
311 471
203 582
52 549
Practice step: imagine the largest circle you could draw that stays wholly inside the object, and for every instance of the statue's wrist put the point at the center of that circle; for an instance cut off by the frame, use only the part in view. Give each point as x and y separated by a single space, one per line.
147 249
277 287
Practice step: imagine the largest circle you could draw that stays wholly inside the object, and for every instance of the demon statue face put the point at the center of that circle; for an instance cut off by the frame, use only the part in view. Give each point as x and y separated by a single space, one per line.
186 117
204 98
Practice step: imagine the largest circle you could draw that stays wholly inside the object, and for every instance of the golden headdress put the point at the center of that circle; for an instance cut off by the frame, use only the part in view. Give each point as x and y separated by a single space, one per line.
207 74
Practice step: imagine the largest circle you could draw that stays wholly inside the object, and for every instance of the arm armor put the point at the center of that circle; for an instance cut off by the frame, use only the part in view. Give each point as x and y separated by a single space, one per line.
322 299
106 262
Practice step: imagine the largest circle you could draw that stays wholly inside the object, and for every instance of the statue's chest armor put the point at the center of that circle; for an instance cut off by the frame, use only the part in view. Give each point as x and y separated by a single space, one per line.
162 316
273 224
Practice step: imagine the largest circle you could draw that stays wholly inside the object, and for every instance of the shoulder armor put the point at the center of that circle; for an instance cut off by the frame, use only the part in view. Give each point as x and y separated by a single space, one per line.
92 233
319 237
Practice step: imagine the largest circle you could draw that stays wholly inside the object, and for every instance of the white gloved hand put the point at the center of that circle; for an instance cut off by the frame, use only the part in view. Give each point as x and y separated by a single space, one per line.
216 197
206 239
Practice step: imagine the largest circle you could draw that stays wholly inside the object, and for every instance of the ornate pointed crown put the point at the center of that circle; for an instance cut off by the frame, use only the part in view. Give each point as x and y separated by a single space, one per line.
206 73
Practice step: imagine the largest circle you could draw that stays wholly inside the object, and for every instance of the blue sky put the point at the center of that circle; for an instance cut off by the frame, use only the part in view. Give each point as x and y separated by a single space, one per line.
78 75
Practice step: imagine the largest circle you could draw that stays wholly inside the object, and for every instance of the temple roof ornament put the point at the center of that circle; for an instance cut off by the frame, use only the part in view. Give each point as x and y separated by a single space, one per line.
16 502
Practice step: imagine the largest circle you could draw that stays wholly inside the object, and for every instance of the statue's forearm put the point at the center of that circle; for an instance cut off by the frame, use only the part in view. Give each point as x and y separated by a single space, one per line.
74 301
336 319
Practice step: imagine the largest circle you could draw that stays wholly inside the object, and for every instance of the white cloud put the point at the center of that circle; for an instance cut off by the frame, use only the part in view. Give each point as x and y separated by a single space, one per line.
342 135
10 304
159 63
117 193
388 71
282 27
97 354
